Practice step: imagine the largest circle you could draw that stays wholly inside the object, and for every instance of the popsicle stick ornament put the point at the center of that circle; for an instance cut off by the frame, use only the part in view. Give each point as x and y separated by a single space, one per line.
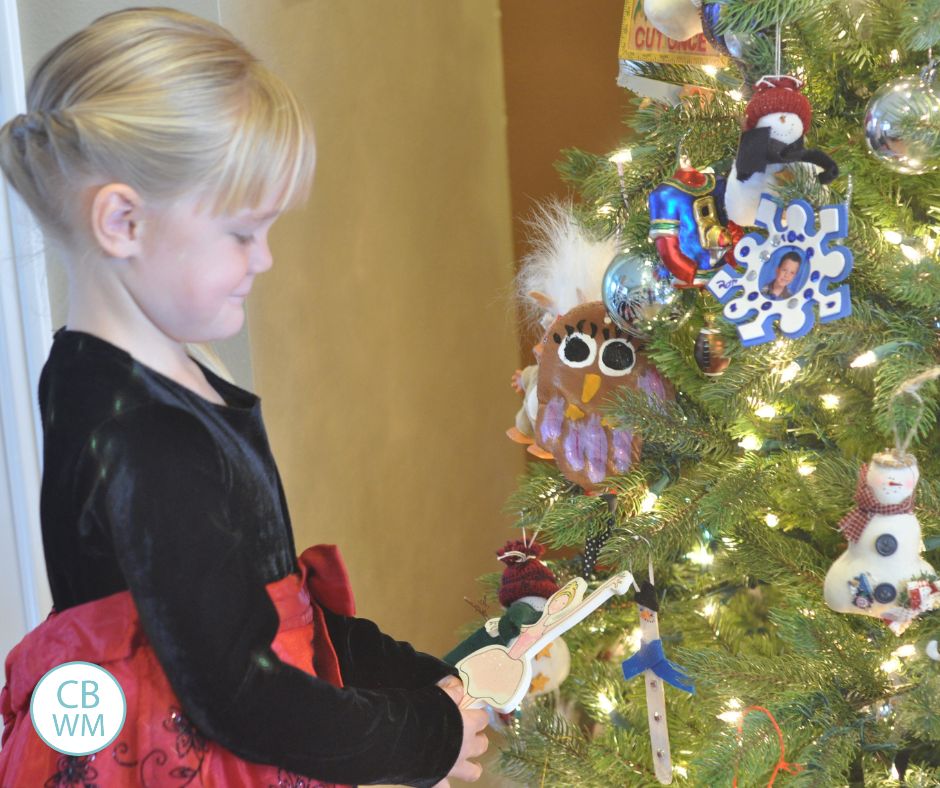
498 676
656 669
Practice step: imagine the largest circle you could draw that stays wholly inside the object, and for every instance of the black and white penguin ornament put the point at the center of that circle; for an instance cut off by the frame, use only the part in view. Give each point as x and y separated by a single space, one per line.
775 122
882 572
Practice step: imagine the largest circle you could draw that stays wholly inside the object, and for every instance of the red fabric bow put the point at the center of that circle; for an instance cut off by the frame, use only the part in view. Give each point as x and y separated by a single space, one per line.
854 523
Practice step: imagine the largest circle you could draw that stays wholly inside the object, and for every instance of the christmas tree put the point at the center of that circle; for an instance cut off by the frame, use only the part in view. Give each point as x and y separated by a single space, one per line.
783 389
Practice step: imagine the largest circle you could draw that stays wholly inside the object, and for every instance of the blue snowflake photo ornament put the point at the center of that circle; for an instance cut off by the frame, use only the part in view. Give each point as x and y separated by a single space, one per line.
789 276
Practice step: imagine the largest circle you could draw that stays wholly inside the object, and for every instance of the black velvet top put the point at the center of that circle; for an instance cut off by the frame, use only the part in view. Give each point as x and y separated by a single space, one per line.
149 487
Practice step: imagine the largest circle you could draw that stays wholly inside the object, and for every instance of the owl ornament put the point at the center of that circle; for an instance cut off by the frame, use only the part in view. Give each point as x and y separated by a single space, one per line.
586 358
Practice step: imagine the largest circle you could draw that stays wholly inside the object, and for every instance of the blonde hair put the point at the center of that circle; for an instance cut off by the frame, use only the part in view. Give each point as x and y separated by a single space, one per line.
161 100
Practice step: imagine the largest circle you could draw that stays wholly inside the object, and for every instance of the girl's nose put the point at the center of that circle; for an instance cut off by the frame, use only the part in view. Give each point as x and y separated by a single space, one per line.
262 259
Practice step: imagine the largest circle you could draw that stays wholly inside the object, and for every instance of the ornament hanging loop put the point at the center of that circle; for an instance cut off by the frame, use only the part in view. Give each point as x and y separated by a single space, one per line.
778 51
928 74
911 388
682 157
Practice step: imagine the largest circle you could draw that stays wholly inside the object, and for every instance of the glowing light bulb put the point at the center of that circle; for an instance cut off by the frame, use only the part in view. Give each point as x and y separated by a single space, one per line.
700 556
865 360
648 502
710 609
766 411
907 650
892 236
605 704
805 469
772 520
606 210
892 665
911 253
830 401
680 770
621 156
635 639
735 95
750 443
709 69
895 56
789 372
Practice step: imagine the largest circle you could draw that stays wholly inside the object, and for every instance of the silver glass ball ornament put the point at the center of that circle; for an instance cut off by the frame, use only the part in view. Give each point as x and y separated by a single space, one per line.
901 122
635 287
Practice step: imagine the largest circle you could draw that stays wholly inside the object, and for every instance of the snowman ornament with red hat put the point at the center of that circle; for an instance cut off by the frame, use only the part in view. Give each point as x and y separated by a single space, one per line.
775 122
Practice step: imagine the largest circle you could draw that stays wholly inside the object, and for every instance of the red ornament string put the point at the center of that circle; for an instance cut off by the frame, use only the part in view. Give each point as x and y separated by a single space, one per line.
790 768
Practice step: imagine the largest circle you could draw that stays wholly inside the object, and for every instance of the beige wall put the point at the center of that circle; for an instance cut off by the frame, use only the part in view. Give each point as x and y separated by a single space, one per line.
560 63
383 339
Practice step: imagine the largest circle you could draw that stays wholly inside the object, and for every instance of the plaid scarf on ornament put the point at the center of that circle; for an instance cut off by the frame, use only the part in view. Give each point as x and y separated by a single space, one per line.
853 524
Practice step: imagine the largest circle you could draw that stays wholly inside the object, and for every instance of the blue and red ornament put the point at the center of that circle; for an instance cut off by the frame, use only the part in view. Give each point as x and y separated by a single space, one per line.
689 225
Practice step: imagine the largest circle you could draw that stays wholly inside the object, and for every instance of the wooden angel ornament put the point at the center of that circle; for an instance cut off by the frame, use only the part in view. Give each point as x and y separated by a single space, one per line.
525 588
498 676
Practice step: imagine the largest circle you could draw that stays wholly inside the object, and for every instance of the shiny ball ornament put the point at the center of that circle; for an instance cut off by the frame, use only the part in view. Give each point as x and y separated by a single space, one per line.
731 44
893 116
635 288
710 352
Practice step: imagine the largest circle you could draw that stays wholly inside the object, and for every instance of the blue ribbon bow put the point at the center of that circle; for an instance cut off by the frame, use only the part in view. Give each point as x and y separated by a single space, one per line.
651 657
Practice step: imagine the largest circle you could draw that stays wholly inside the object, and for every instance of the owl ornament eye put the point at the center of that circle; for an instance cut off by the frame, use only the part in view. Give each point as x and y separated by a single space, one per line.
577 350
594 360
617 357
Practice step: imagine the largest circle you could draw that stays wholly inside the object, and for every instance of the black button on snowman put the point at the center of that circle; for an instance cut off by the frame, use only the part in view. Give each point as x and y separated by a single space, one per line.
883 558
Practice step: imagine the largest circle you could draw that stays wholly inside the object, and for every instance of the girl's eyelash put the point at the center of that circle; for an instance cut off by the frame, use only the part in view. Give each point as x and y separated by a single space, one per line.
244 240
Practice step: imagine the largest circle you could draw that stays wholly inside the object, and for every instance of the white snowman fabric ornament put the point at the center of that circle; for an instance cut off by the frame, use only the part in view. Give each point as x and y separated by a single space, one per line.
882 573
677 19
775 121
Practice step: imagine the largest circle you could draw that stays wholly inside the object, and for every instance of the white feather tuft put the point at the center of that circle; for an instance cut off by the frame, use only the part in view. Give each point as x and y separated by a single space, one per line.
566 265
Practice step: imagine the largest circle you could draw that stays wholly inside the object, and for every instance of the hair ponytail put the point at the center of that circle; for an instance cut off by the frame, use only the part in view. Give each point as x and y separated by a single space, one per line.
164 101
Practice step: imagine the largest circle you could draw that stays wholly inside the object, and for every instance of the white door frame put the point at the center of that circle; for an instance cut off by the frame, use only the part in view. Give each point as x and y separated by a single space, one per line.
25 337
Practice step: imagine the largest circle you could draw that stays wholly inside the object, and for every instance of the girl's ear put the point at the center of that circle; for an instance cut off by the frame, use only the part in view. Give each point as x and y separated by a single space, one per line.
116 215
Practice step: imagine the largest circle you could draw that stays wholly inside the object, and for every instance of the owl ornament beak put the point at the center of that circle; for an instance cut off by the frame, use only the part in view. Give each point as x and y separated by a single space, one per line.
589 388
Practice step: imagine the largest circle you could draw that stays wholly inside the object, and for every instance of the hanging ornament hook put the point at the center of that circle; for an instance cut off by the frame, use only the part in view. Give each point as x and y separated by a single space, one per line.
848 192
682 158
778 52
911 388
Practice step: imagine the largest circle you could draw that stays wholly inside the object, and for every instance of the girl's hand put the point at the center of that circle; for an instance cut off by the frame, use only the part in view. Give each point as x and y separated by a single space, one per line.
474 739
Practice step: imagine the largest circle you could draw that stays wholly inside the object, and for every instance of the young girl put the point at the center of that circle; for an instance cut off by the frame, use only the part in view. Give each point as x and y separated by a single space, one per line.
158 152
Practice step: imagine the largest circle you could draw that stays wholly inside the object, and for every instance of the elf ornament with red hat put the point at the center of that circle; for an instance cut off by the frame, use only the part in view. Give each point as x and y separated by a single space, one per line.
775 123
524 589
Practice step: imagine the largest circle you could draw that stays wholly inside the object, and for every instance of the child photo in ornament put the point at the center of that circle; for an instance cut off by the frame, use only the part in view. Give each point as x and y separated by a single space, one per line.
786 276
762 293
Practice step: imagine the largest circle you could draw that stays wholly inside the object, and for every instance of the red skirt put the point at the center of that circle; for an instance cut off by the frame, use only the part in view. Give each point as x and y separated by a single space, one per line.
158 745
